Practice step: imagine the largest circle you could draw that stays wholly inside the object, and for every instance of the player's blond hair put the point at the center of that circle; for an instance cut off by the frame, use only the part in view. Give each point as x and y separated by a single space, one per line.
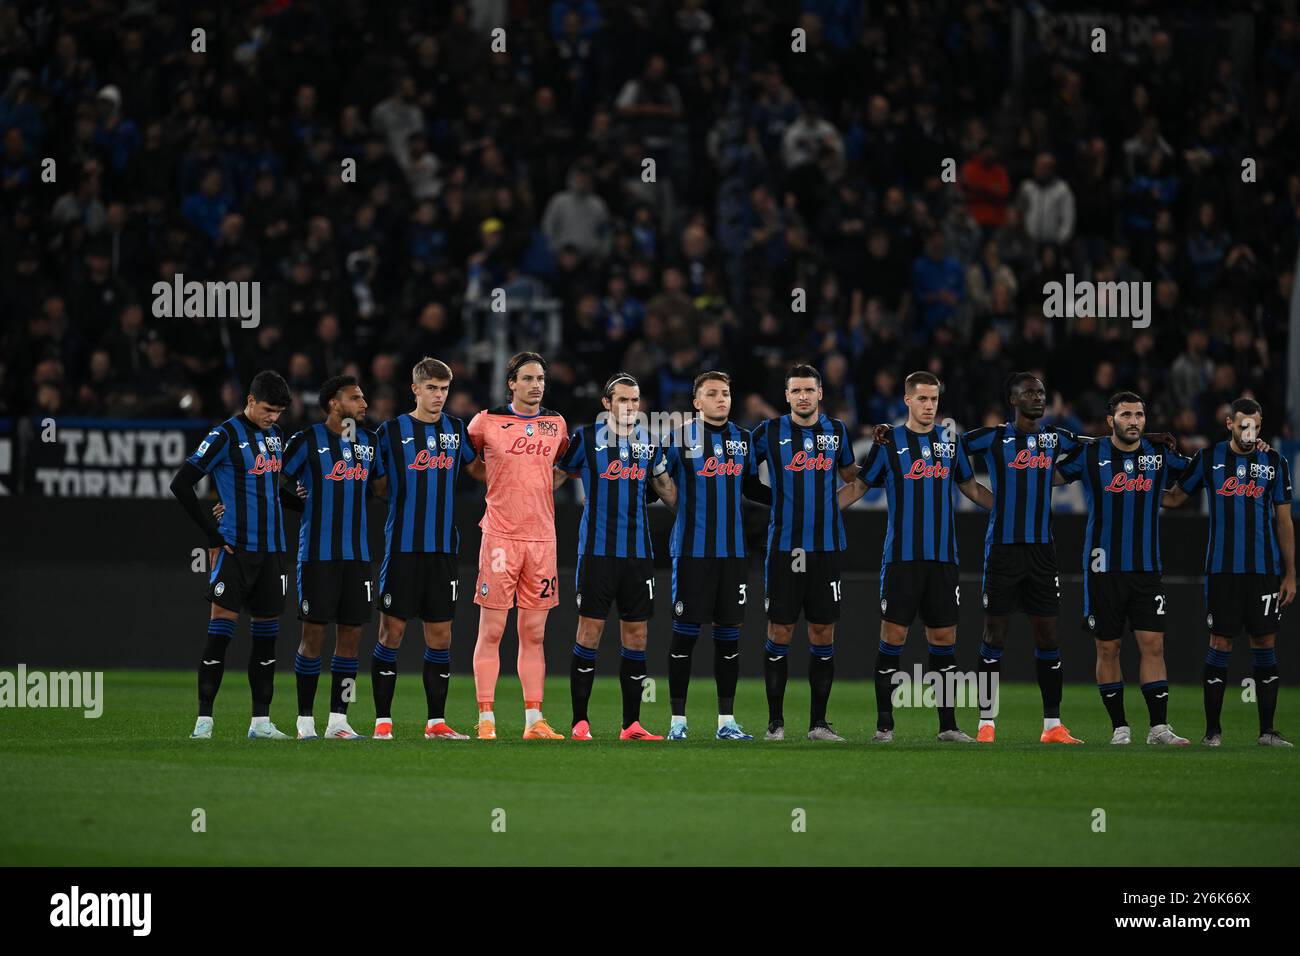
430 368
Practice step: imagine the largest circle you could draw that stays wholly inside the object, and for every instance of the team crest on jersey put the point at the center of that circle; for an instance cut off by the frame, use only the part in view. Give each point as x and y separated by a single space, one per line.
1092 622
388 600
883 605
766 602
622 453
261 446
483 589
432 442
528 430
577 600
808 445
925 451
678 608
1128 465
1241 470
220 589
347 452
1031 441
717 450
304 607
1209 620
827 443
985 599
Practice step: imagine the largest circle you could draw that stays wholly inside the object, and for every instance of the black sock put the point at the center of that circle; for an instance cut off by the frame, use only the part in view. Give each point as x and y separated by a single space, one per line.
1157 696
341 670
1215 682
383 679
307 674
726 666
775 671
1051 680
680 649
261 665
887 660
990 673
1112 696
213 662
582 674
821 675
1266 681
631 672
942 662
437 675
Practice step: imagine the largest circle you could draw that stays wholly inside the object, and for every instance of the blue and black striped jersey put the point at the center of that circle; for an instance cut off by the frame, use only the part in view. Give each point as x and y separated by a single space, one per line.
336 473
1021 467
802 465
422 461
1124 491
245 464
919 473
614 470
709 465
1242 493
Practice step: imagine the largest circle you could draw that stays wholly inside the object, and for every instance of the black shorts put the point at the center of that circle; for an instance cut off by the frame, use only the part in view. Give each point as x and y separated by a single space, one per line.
603 581
254 581
339 592
1022 576
1118 597
928 588
710 590
814 590
1234 602
418 584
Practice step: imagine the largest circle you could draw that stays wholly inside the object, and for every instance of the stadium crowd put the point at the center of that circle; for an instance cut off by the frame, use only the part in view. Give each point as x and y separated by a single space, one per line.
774 170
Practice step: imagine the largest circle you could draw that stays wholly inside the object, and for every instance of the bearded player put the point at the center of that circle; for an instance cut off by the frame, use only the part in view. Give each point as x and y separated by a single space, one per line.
518 445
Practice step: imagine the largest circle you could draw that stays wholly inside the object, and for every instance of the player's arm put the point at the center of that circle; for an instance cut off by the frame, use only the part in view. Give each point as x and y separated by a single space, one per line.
558 477
378 486
182 487
1189 482
664 486
851 492
752 487
1286 544
977 492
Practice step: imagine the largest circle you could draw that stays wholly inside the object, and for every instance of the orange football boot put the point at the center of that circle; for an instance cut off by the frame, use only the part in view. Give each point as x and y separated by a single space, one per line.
1058 735
541 730
486 730
986 734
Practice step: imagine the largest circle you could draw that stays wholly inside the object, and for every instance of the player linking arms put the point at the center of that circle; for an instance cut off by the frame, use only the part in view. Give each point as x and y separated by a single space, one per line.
918 468
615 459
1249 560
518 445
711 466
246 550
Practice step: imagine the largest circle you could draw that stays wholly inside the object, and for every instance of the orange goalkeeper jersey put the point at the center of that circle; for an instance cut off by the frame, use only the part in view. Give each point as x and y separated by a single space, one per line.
519 453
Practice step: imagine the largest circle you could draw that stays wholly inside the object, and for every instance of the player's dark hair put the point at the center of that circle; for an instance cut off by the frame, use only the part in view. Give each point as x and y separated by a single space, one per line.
332 386
710 376
920 378
430 369
1017 379
1246 406
270 387
803 371
620 378
1125 398
519 360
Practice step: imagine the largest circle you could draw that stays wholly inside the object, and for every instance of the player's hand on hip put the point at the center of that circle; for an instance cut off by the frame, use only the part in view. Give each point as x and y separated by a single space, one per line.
212 554
218 510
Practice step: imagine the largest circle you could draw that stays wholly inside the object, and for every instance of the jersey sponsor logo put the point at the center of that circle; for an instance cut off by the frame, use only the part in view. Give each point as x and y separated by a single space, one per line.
522 446
203 447
263 465
735 447
1232 487
641 451
425 459
545 428
1150 462
943 449
1045 440
803 461
1261 471
713 468
827 443
920 470
364 452
1120 483
1026 459
344 472
617 471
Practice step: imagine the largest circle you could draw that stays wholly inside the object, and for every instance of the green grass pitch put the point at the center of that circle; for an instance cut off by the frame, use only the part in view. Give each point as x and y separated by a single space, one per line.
121 789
